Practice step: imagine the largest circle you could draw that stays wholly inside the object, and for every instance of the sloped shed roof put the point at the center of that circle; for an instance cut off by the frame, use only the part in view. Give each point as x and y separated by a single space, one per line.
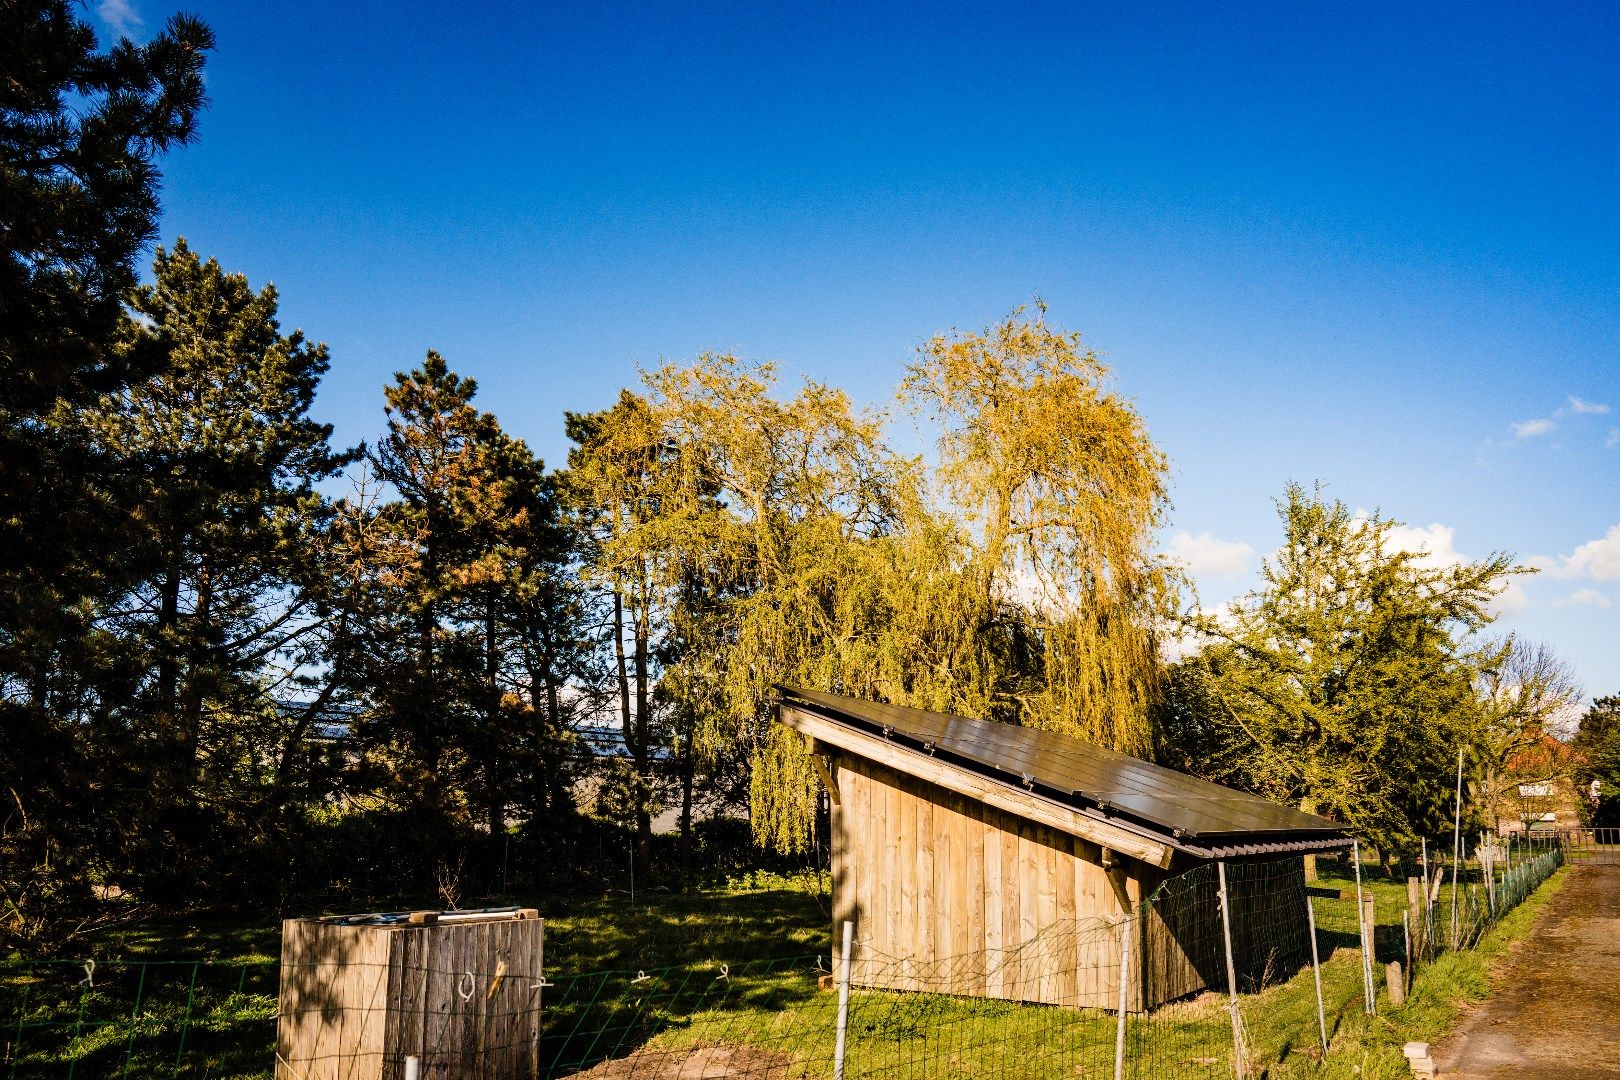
1188 814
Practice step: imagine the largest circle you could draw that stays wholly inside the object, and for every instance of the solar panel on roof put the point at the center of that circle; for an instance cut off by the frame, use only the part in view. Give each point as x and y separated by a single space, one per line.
1083 774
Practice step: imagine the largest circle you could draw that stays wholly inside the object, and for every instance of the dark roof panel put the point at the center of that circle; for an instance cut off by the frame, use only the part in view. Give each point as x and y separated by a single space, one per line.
1081 774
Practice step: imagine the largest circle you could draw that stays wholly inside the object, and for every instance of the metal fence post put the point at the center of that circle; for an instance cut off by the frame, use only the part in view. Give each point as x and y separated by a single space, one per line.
1316 974
843 1002
1240 1063
185 1024
1456 850
1487 865
1361 920
135 1019
1124 984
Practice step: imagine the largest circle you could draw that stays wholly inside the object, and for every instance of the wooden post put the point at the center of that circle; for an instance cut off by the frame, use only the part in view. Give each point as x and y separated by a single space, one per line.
1316 974
843 1002
1396 983
1240 1062
1124 983
1414 919
1487 863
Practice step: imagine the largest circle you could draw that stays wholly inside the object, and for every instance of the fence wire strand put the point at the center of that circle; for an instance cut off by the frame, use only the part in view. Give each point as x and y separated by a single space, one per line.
1047 1009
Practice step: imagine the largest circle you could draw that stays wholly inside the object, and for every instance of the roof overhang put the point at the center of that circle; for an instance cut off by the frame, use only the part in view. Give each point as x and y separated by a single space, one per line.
972 779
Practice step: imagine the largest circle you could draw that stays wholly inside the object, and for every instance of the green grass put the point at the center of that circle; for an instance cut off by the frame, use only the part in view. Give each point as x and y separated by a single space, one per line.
716 982
777 1018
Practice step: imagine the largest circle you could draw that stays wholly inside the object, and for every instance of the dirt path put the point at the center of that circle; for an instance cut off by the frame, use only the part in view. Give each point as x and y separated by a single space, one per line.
1555 1013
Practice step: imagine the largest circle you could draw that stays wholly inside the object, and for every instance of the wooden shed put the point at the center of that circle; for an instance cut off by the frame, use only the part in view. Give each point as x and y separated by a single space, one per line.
458 992
985 859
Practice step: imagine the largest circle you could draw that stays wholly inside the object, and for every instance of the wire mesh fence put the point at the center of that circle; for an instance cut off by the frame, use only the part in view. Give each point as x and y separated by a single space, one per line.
136 1018
1241 969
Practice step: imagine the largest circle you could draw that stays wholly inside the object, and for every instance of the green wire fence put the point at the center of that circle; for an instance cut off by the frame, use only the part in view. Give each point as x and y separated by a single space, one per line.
90 1020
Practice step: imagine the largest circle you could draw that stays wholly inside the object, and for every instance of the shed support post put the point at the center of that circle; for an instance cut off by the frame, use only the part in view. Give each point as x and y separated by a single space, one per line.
1240 1064
843 1002
1316 974
1367 995
1125 929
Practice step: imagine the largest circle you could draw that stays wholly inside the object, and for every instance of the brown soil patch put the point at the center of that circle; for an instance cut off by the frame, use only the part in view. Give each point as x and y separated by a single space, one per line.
1554 1013
696 1063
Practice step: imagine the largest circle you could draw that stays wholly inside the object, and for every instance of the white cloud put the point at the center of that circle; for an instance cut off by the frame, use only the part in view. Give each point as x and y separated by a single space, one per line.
1597 559
1584 598
1435 544
1577 405
1613 440
120 17
1529 429
1510 599
1206 556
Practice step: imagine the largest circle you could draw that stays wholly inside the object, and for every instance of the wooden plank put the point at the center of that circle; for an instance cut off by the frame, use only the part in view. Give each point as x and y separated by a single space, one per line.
973 897
923 947
856 794
1067 988
1006 797
878 937
842 856
1029 912
1046 869
825 776
911 897
990 860
1011 906
943 892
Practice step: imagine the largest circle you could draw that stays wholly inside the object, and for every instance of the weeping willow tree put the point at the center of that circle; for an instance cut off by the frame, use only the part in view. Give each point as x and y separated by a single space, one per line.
783 541
1058 488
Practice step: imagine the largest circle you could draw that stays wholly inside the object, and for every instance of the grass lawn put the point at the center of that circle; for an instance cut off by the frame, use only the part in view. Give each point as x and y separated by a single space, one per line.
729 974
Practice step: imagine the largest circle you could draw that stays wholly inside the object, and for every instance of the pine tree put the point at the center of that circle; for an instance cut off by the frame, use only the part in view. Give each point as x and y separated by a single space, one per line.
81 132
1598 742
221 457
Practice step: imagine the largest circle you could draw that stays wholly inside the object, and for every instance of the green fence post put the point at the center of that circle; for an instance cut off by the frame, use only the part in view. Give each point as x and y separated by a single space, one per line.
16 1046
185 1024
134 1020
78 1024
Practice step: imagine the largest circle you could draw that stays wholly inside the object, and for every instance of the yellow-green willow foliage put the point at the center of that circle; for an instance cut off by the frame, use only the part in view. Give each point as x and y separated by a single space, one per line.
782 541
1060 487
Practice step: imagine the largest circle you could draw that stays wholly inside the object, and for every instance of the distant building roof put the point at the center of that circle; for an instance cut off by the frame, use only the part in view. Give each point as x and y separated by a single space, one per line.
1191 815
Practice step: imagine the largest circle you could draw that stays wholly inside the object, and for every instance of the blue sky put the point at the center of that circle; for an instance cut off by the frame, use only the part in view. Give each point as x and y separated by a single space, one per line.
1373 245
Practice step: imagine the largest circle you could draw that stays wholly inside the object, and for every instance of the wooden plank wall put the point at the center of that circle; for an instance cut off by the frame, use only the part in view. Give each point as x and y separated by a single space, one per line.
334 996
466 1003
951 896
462 998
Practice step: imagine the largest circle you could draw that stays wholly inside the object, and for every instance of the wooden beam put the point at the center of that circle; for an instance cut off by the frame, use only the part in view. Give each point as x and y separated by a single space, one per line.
826 777
991 792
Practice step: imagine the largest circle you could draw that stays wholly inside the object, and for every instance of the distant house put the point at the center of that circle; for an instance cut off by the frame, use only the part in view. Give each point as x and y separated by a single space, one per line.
955 838
1538 792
